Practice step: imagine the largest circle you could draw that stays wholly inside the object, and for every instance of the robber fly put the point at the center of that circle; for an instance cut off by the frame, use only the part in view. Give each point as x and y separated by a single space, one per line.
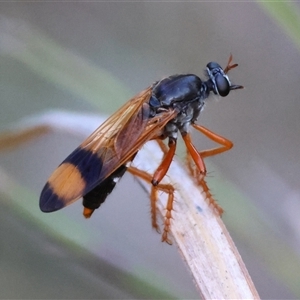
167 107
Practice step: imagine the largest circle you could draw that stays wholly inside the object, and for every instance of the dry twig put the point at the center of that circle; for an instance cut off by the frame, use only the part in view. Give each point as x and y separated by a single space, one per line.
201 236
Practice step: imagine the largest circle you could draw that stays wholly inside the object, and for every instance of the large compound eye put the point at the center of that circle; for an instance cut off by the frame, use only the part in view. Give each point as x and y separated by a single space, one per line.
222 85
219 82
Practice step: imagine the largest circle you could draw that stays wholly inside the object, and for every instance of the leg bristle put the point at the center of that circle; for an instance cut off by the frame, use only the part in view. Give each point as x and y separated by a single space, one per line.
209 198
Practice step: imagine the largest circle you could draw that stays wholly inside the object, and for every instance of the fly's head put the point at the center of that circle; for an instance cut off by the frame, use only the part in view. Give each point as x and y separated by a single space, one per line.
219 80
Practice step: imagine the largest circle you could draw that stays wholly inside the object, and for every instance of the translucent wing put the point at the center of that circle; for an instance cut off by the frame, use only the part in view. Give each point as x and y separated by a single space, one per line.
113 144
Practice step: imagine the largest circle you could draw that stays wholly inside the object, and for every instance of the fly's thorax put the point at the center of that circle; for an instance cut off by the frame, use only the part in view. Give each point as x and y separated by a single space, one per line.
176 88
175 92
187 114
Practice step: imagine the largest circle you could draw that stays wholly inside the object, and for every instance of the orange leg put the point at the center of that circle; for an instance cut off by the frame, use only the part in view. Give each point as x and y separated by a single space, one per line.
209 197
197 157
201 181
190 165
193 155
191 149
226 144
165 164
167 188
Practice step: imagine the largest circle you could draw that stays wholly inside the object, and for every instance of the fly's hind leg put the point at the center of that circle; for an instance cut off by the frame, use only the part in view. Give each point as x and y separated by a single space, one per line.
168 189
158 175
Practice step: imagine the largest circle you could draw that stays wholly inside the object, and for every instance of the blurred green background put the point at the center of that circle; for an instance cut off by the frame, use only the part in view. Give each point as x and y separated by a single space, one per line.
92 57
